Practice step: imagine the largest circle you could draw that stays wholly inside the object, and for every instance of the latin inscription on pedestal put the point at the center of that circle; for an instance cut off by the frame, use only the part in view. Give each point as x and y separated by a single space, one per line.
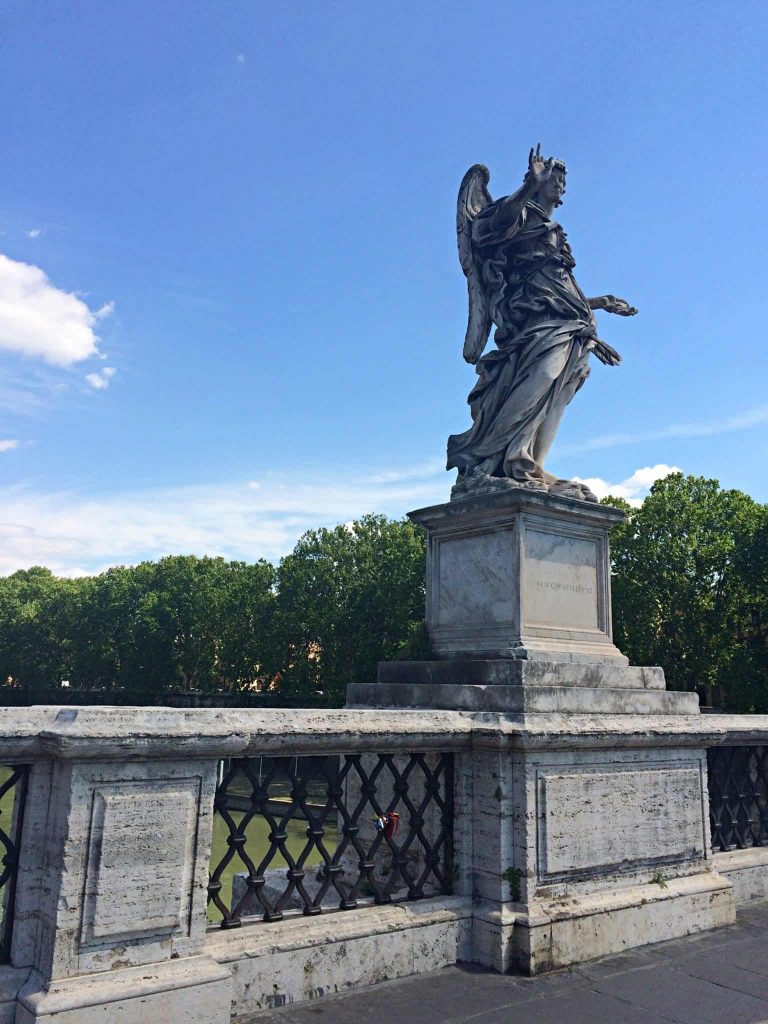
561 584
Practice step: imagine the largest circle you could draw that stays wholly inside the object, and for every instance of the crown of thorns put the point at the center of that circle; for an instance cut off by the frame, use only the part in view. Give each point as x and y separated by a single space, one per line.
558 164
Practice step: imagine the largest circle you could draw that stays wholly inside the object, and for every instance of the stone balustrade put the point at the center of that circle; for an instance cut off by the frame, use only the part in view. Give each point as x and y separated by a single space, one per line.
111 907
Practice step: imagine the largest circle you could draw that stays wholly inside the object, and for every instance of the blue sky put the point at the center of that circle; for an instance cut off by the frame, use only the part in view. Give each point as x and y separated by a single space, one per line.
230 302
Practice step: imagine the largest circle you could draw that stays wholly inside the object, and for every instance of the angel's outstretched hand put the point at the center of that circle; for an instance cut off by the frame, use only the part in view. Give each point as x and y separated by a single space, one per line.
612 304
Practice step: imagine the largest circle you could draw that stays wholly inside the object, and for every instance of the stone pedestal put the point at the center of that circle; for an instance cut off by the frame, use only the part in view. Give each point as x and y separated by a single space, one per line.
520 574
582 821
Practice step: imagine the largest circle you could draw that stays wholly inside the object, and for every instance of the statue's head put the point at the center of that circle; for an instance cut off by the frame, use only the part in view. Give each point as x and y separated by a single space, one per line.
554 188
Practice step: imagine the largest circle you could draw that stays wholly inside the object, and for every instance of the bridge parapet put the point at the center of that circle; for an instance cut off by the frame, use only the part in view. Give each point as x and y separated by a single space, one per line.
417 838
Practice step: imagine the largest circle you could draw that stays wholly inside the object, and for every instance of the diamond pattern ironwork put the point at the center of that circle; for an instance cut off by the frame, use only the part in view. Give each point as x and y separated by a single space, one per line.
738 797
13 790
333 808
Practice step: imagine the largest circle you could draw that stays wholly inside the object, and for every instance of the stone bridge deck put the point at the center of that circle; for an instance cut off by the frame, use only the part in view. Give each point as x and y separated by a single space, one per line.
719 977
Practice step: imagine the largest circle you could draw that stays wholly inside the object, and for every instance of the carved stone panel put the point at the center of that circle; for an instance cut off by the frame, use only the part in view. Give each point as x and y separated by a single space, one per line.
561 581
476 583
141 859
598 820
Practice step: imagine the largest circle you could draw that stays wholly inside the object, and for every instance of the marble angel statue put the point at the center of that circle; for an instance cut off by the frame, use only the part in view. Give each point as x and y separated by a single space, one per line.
519 270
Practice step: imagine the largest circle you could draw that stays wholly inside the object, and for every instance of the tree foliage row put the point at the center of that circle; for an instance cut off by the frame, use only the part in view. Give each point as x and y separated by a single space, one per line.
690 589
343 600
690 593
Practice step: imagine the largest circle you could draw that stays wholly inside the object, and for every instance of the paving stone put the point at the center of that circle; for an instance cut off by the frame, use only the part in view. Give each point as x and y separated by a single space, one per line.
718 978
680 997
743 978
753 917
636 960
583 1007
745 953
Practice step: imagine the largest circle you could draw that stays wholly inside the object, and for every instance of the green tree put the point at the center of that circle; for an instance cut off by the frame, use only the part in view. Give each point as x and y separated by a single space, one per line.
744 680
246 653
180 623
679 591
39 613
347 599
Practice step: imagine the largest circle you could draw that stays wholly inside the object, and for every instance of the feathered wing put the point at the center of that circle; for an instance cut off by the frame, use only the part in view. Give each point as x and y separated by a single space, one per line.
473 197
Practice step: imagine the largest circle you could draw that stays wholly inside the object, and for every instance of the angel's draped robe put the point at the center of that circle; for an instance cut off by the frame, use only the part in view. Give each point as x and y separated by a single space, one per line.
543 329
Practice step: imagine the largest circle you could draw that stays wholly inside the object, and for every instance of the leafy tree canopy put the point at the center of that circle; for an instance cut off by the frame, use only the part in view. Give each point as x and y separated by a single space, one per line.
688 584
347 599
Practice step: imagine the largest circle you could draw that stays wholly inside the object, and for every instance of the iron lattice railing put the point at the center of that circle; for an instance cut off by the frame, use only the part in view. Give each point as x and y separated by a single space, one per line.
738 797
13 791
328 833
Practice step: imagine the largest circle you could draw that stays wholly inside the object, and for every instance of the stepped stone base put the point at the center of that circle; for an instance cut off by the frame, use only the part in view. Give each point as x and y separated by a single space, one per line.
522 687
519 700
505 672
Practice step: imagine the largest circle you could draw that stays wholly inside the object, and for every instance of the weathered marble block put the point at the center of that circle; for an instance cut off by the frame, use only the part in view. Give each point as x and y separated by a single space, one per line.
520 574
111 899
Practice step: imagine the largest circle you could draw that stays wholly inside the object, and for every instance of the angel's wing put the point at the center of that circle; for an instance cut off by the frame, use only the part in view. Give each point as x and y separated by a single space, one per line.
473 197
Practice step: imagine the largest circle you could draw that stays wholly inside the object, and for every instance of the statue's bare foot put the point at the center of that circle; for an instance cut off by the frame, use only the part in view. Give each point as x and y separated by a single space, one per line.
572 489
474 481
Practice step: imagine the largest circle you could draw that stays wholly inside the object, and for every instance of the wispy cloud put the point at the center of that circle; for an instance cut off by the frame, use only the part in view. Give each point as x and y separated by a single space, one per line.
27 389
39 320
100 381
634 488
423 469
104 311
9 444
754 417
34 232
73 533
240 58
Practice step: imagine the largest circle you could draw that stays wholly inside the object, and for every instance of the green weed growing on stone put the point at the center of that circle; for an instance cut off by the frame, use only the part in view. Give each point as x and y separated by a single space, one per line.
513 877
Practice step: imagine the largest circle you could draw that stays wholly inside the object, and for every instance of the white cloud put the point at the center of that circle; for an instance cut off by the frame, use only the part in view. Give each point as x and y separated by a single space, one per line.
106 310
39 320
8 445
100 381
390 476
34 232
73 533
754 417
240 58
263 518
634 488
